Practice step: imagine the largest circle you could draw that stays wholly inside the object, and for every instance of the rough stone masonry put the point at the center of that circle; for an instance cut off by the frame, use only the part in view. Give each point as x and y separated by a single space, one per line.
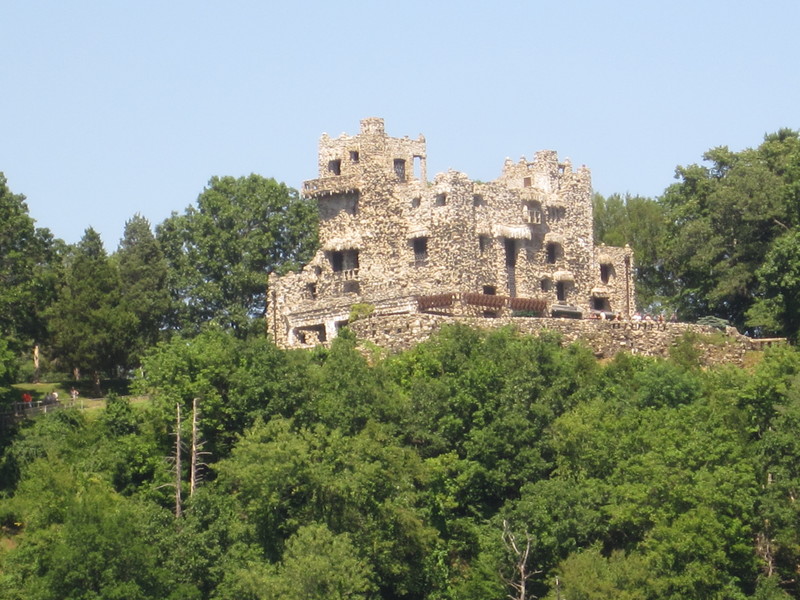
398 247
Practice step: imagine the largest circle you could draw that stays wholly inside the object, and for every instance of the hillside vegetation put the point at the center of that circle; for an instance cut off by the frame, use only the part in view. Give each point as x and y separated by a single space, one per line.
328 476
476 466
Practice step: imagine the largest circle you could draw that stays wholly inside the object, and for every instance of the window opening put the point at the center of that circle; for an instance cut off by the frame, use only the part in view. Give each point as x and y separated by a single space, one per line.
561 291
533 214
489 290
400 169
415 202
420 246
552 253
335 166
417 167
555 213
441 199
526 182
344 260
311 290
354 156
483 243
545 285
337 261
605 273
477 200
511 252
311 334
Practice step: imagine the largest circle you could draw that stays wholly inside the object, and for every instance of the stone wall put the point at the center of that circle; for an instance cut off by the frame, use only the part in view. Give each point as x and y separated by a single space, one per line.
605 338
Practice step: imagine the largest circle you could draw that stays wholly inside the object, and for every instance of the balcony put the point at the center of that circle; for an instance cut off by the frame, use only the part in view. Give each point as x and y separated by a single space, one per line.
323 186
345 275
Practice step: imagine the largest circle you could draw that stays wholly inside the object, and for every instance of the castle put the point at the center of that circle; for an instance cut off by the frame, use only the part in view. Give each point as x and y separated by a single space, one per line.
393 243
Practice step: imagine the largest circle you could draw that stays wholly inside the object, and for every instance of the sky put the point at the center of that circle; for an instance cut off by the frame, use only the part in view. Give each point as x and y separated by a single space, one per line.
113 108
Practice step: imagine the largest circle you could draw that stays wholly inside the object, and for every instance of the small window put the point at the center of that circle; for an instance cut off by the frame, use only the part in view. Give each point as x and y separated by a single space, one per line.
415 202
561 291
420 246
441 199
335 166
344 260
337 261
546 285
477 200
400 169
483 243
311 291
553 252
555 213
526 182
489 290
605 273
511 252
532 213
354 156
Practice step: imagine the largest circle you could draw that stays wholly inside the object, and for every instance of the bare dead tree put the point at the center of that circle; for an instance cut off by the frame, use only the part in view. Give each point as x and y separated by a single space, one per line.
178 461
197 450
521 570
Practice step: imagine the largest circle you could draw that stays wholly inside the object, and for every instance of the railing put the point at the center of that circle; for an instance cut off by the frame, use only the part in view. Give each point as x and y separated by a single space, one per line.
435 301
443 301
346 275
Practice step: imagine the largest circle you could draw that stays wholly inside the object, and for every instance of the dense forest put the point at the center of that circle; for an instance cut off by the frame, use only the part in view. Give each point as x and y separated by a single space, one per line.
476 465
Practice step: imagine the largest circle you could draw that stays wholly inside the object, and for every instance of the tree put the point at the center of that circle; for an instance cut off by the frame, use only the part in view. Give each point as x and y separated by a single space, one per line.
777 308
144 293
639 222
28 258
87 322
221 251
723 219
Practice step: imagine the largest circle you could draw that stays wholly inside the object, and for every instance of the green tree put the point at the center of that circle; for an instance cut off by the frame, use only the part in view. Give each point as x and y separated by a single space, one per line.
641 223
777 307
221 251
723 219
144 294
28 262
87 323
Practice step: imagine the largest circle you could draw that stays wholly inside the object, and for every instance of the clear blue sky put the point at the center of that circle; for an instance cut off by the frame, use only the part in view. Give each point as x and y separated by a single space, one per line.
112 108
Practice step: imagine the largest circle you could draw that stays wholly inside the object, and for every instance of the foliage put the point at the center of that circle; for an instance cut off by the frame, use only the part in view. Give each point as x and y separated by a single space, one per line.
221 251
28 263
723 220
330 475
641 223
87 323
361 310
144 295
777 308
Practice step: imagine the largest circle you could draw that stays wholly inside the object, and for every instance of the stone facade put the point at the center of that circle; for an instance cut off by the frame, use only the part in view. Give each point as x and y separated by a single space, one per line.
389 238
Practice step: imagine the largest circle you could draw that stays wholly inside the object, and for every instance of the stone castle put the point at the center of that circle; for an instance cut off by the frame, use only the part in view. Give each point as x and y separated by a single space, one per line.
394 244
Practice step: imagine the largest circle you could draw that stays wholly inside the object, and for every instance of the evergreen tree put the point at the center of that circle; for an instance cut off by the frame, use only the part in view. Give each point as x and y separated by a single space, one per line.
144 295
87 321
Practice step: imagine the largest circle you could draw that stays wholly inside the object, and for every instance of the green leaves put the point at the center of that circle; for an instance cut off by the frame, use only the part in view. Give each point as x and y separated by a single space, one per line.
221 251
